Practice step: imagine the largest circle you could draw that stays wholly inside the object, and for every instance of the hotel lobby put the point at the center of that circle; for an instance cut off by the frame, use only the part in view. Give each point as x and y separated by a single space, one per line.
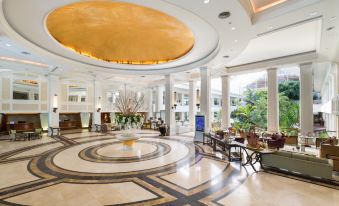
176 102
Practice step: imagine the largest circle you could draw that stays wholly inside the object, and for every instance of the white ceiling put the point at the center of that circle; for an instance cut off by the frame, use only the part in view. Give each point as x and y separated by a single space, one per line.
288 41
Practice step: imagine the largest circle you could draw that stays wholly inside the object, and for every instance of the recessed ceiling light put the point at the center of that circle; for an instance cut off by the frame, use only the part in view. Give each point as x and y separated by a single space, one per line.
8 45
236 41
226 56
330 28
143 76
270 27
25 53
224 15
233 28
313 13
188 72
206 1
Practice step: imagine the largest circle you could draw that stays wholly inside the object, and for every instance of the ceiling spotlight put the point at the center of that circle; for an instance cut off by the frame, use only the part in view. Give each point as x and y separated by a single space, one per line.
143 76
224 15
236 41
188 72
206 1
25 53
233 28
330 28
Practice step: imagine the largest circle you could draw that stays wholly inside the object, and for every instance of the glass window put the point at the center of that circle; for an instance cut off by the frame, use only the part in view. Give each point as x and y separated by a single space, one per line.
216 101
25 90
77 94
186 99
289 92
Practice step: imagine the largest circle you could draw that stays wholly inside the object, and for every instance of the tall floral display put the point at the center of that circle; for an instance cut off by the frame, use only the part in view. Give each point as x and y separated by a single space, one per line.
129 103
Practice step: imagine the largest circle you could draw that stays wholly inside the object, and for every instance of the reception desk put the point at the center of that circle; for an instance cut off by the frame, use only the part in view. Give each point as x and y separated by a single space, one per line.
22 127
68 125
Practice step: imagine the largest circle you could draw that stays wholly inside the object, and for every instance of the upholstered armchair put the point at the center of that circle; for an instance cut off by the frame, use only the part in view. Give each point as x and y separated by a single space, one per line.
330 152
277 141
38 133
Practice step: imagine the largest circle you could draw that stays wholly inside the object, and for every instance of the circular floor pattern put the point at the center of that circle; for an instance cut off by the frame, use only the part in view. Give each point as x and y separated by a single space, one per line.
116 153
94 160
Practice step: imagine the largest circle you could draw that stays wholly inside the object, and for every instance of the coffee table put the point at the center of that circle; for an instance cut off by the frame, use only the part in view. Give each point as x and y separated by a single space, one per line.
29 135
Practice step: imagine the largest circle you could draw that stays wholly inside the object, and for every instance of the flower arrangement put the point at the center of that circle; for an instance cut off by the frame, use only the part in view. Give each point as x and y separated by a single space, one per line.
132 120
129 103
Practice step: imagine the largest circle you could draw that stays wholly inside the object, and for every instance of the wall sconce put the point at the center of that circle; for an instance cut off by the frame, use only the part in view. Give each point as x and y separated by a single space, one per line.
198 106
174 100
55 103
99 105
198 99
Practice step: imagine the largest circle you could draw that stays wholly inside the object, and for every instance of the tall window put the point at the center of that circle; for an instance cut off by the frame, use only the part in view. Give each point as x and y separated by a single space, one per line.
289 92
249 95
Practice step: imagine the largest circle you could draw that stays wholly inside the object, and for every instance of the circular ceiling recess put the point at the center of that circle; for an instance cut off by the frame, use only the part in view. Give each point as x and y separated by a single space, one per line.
120 32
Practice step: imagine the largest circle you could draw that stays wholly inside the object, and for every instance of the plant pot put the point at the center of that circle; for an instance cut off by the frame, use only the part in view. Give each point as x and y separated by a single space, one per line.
291 140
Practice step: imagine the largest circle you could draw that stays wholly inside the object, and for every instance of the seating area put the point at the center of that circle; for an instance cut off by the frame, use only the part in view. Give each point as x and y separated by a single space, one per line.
274 154
28 135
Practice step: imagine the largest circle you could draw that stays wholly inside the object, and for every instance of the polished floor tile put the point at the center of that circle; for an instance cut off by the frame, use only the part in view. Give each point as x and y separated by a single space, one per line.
89 194
96 169
266 189
15 173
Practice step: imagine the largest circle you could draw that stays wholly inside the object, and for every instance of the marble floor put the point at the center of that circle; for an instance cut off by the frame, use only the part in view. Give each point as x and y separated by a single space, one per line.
85 168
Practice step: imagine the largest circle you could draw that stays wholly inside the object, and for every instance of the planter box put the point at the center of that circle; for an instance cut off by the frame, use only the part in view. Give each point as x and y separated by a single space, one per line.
291 140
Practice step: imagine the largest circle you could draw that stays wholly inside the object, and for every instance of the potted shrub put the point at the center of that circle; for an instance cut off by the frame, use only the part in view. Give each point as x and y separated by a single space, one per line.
323 136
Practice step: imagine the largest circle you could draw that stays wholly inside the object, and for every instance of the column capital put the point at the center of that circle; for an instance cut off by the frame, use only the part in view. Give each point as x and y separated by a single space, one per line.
272 69
203 68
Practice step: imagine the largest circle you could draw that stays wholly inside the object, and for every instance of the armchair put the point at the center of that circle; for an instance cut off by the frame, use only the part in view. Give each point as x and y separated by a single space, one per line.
277 141
331 152
38 133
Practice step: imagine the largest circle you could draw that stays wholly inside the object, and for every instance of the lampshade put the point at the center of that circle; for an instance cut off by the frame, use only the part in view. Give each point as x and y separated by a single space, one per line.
55 101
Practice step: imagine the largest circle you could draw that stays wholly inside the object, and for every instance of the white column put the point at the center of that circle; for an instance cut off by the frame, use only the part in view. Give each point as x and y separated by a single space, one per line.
225 99
192 103
272 101
336 91
53 90
159 98
169 101
150 102
306 98
205 97
97 100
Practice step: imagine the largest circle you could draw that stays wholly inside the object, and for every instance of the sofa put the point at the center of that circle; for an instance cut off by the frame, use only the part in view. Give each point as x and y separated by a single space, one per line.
331 152
298 163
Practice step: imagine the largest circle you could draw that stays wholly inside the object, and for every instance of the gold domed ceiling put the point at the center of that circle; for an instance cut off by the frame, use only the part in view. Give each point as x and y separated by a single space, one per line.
120 32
